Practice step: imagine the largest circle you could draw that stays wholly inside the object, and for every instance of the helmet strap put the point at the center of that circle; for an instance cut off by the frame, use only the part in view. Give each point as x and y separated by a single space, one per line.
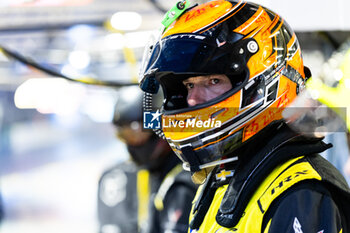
192 158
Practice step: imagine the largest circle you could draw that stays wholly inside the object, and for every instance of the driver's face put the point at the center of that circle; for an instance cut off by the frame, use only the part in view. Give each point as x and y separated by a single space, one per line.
201 89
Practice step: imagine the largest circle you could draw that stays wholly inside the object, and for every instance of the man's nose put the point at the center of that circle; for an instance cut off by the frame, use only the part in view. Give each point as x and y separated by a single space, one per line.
196 96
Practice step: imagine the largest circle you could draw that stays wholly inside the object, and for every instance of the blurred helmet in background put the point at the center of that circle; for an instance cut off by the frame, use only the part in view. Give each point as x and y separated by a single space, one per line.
145 147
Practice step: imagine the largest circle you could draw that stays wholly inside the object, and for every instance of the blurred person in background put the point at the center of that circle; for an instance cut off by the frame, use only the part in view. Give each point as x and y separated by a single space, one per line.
150 192
239 64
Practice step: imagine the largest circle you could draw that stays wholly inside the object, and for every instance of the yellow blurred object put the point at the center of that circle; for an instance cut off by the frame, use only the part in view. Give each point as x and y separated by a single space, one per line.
337 97
143 195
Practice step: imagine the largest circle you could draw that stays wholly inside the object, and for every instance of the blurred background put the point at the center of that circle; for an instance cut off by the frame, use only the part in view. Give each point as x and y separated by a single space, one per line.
56 136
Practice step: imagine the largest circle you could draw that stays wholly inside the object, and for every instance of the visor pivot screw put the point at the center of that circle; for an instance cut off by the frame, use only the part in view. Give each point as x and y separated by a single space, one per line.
252 46
241 51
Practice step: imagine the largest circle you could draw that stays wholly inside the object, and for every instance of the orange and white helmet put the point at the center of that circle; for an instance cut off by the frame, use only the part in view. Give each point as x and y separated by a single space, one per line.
251 45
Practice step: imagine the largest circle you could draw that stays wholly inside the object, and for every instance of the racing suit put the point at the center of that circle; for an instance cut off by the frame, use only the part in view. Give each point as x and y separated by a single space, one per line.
126 197
279 184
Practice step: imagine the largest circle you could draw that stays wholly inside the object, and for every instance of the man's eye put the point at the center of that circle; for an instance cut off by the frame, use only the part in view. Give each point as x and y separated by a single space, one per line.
189 85
214 81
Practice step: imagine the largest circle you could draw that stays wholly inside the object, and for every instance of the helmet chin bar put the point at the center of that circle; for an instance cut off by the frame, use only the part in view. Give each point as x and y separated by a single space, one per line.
186 165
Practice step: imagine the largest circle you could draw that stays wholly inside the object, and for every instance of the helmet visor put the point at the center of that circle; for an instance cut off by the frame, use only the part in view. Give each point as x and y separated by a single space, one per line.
184 54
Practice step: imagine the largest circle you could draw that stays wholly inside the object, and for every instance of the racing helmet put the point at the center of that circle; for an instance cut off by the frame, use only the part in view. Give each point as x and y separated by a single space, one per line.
145 147
250 44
